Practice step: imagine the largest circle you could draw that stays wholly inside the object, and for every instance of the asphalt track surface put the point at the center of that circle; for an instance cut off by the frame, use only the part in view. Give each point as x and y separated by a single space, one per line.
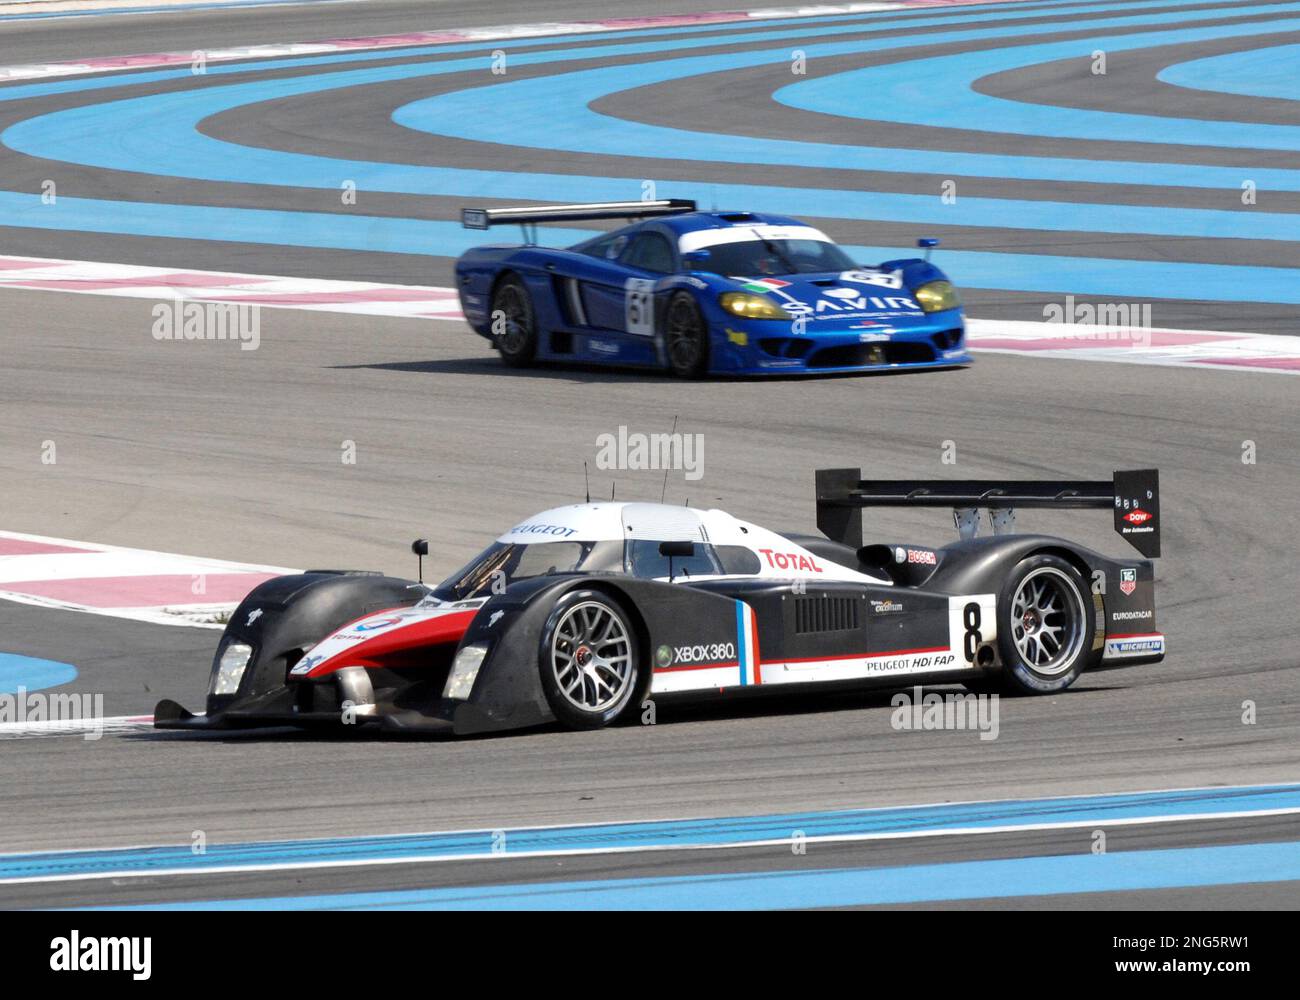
201 448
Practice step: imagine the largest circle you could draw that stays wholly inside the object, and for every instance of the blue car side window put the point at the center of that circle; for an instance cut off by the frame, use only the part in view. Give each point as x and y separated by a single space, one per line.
650 252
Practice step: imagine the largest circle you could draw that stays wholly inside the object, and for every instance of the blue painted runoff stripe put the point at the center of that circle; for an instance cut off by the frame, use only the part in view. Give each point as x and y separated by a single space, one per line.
565 99
903 92
128 78
32 673
653 835
145 139
1120 871
1267 72
1127 279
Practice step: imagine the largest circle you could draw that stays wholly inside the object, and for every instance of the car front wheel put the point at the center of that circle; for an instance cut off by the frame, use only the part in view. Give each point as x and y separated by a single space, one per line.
686 337
590 664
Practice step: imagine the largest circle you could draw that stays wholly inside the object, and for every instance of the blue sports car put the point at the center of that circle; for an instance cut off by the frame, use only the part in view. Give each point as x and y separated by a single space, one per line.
700 293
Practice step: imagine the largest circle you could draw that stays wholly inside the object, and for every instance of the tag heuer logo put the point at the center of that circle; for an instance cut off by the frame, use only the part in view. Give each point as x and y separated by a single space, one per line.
1128 580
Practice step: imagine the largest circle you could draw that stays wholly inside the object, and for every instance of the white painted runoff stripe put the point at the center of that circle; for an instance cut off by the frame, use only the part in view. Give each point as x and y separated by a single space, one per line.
137 584
110 725
110 64
163 283
1212 349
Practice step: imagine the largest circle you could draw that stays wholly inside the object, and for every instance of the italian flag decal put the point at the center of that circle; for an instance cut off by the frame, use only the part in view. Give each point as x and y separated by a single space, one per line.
762 285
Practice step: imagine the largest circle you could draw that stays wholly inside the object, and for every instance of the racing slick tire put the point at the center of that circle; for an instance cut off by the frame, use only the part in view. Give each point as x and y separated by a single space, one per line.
517 343
589 659
1046 622
686 337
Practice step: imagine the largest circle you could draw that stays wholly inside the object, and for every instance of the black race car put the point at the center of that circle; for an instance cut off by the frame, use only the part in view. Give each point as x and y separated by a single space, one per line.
582 613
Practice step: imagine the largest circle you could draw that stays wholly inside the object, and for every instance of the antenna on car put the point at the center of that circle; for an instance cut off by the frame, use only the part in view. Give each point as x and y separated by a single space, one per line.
664 492
586 481
612 484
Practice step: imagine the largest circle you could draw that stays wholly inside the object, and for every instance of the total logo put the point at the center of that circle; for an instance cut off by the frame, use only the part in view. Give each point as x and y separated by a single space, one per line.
1137 516
790 560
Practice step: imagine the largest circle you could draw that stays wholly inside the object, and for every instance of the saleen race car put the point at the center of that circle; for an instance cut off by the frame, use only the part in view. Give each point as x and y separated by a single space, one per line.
582 613
701 293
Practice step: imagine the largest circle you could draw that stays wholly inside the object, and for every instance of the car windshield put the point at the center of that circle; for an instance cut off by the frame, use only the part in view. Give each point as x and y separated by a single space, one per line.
501 564
774 257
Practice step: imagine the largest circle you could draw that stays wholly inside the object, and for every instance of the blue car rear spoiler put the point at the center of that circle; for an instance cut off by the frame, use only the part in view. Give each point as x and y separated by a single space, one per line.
485 218
1134 496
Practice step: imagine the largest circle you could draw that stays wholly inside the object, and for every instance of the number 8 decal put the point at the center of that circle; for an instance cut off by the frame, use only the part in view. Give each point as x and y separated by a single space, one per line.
970 616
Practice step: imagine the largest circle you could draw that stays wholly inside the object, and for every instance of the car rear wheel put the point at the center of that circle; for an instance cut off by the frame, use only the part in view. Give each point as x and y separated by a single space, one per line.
686 337
1045 626
513 322
590 664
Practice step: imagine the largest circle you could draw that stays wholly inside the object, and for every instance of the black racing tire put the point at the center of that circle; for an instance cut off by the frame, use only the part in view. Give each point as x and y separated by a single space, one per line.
686 337
1046 625
590 660
512 306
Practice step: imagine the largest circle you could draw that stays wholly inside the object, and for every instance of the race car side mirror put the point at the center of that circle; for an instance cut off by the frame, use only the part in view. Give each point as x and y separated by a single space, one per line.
677 550
421 549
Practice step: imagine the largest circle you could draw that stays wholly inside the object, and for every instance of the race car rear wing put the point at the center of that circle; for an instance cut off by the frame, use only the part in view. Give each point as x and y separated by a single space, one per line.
1134 496
486 218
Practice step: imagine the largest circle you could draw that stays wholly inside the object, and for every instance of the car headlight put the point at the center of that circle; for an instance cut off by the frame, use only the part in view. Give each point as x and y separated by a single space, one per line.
937 296
230 668
464 669
748 306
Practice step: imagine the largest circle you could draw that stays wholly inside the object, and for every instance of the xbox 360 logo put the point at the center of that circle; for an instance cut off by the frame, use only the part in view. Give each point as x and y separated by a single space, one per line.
664 656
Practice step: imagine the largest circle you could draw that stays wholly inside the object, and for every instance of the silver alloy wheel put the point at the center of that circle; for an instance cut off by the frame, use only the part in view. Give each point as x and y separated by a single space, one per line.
591 656
518 318
683 335
1047 621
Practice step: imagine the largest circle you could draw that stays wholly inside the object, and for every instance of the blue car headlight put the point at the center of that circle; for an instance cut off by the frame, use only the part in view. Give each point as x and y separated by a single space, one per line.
936 296
750 306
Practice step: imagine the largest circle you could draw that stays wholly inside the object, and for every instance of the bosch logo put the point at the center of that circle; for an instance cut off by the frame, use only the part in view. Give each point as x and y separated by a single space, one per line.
923 557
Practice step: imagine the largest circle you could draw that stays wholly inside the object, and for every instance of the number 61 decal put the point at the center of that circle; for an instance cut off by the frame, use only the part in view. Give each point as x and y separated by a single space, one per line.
639 306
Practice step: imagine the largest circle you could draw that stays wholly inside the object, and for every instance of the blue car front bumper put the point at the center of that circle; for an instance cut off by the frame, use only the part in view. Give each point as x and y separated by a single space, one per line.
758 347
